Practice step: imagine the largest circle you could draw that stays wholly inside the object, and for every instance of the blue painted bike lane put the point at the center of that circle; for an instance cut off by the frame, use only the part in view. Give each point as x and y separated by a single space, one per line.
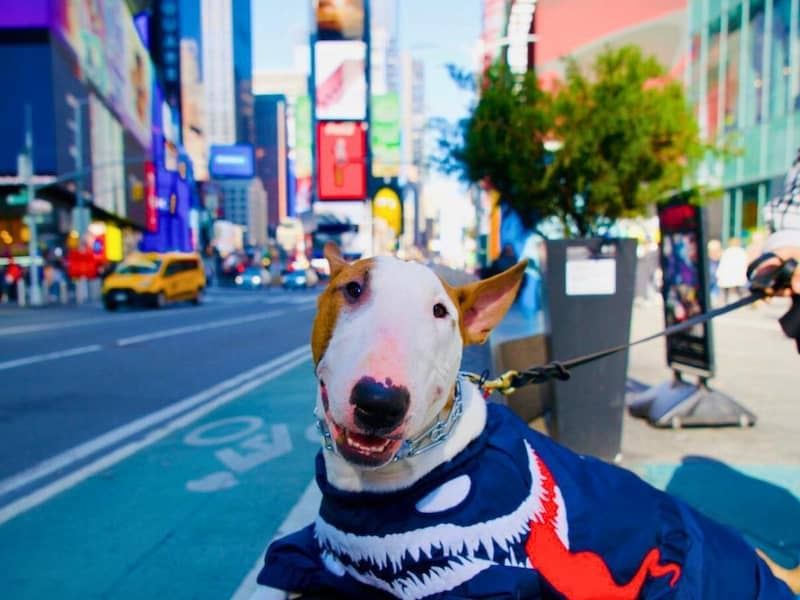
182 518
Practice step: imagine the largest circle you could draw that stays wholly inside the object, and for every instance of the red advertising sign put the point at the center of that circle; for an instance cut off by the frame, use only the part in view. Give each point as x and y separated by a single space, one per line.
341 160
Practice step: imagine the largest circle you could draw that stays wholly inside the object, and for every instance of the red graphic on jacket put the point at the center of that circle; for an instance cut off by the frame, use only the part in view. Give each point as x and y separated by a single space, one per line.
582 575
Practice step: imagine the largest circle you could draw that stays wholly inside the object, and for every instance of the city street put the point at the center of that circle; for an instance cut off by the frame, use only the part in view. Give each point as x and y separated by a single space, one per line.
84 390
72 374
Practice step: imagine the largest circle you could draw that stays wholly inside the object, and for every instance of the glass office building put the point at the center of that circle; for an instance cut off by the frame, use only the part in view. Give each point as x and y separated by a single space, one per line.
743 78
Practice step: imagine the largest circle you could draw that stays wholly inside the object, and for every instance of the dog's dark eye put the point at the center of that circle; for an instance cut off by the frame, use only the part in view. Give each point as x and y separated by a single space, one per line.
353 290
439 310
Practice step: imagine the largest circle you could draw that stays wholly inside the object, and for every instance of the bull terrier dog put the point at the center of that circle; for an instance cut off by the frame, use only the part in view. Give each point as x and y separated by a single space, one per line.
430 492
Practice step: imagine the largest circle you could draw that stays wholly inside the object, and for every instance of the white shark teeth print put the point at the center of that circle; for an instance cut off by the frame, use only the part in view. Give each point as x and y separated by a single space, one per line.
458 544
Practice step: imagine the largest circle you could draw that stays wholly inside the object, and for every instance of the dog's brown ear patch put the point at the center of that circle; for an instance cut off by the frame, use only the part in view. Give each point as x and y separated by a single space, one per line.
483 304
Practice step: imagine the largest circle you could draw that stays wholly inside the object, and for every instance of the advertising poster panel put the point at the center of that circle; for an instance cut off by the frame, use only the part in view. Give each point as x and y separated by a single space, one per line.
685 286
384 135
111 56
340 81
339 19
341 161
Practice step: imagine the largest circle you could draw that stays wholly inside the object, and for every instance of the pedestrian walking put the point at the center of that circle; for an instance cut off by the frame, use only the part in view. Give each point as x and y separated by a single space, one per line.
714 256
732 270
12 275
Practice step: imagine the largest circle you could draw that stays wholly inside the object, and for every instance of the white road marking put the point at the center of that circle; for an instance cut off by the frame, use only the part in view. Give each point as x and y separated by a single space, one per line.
37 358
50 326
78 453
301 515
66 482
148 337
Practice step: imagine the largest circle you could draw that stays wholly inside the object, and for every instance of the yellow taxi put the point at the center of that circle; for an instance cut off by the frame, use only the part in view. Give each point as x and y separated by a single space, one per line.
154 279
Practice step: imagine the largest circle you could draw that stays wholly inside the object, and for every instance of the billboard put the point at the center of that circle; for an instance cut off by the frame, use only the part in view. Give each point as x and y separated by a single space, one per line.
685 287
107 159
340 81
341 161
339 19
231 162
112 58
384 135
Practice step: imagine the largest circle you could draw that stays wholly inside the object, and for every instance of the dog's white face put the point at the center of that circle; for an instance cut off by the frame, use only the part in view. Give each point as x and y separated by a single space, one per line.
387 342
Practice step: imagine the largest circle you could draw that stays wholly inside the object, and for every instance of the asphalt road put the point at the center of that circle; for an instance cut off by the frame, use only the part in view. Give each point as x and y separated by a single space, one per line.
71 374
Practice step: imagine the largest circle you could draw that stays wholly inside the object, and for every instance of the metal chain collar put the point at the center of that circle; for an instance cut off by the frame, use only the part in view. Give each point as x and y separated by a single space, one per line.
435 435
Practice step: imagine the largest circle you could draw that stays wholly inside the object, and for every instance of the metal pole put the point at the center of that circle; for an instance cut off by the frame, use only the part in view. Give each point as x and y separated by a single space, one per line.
33 241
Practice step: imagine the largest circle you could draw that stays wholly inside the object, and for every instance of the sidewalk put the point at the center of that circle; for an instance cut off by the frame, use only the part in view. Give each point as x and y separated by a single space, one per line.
746 478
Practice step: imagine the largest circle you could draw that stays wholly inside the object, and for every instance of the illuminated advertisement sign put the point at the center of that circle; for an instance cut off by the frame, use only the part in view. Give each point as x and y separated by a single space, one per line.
339 19
112 58
340 80
384 135
341 161
685 288
231 162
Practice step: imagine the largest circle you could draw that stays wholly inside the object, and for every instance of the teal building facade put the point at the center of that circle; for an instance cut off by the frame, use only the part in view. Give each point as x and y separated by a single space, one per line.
743 80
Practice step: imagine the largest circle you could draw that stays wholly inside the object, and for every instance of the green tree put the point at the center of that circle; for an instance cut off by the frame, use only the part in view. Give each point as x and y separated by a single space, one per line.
597 147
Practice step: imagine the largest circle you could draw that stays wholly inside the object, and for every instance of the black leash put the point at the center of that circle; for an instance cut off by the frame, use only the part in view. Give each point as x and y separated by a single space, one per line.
761 286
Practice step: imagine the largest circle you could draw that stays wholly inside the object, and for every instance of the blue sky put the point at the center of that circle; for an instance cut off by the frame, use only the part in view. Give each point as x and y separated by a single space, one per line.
436 31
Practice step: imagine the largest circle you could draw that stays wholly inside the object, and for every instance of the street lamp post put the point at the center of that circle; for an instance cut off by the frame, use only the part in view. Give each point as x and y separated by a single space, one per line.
33 238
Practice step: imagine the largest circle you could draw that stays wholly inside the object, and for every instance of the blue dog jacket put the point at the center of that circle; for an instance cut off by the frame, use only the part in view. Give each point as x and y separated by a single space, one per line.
515 515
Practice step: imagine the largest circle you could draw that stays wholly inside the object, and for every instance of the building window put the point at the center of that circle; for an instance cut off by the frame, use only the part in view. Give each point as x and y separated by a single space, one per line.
732 68
712 76
780 71
694 85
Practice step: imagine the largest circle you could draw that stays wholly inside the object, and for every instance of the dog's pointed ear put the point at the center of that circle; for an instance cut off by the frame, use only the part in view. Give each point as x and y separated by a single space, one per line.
334 256
483 304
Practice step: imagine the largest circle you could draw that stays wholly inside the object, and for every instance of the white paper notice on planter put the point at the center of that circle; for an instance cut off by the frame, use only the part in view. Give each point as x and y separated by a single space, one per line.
591 277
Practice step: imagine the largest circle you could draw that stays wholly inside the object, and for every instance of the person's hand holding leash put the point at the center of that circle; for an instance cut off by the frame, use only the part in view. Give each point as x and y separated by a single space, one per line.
784 261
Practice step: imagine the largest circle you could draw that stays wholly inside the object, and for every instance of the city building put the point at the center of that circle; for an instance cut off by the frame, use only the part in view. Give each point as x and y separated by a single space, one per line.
743 78
219 83
243 72
412 102
582 28
384 55
244 203
90 111
293 86
163 40
227 71
272 164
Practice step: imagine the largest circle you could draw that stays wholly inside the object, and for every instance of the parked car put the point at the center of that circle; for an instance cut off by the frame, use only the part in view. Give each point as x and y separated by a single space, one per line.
155 279
253 278
299 279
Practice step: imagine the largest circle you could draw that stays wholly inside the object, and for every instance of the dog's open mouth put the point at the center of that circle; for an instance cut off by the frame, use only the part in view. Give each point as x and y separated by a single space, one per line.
363 449
359 447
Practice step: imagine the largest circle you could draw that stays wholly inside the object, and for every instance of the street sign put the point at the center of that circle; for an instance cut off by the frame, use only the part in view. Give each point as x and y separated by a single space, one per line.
20 199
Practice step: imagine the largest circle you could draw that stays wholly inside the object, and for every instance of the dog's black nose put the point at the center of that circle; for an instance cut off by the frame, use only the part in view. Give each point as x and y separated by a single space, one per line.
379 408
